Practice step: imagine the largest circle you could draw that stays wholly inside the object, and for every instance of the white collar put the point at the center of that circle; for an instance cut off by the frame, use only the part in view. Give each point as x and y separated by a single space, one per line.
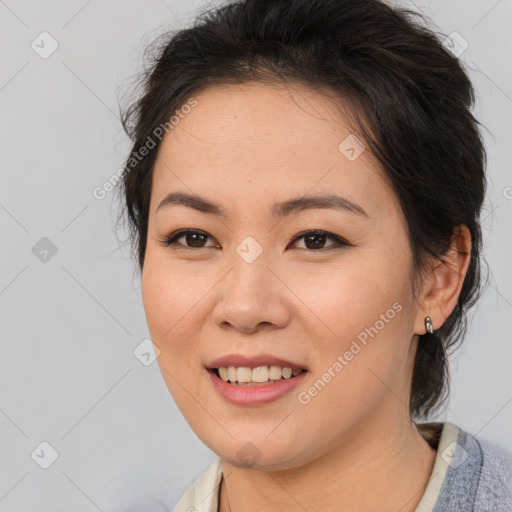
203 494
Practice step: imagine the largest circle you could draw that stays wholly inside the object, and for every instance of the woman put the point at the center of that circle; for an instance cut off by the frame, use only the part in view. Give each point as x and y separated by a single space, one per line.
304 193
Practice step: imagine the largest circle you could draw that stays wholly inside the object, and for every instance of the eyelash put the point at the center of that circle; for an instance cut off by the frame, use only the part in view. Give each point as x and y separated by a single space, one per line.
173 237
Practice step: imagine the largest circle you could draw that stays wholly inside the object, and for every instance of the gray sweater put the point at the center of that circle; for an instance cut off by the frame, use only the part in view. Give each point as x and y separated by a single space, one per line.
479 478
470 474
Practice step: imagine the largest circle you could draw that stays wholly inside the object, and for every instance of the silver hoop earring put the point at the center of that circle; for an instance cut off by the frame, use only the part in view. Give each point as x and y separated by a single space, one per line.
429 326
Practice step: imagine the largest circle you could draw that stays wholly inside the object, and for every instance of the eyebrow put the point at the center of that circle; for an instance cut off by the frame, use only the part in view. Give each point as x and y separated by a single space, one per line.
283 209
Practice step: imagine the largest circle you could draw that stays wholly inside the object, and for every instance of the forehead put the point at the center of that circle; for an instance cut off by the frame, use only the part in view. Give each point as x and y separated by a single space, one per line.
272 117
268 140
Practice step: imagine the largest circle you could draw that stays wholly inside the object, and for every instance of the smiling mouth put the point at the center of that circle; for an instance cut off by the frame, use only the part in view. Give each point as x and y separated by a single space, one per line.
257 376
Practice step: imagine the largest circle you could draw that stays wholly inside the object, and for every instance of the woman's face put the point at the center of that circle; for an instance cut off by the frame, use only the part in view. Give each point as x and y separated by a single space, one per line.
246 285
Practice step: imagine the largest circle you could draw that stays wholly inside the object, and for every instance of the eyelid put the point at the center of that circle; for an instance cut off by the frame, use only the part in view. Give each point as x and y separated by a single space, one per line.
339 241
170 241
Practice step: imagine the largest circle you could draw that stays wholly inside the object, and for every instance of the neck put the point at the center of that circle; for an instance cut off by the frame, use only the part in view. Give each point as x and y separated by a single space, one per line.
380 467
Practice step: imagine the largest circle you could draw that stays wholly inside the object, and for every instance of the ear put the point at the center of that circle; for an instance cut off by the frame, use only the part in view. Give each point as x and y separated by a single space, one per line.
442 288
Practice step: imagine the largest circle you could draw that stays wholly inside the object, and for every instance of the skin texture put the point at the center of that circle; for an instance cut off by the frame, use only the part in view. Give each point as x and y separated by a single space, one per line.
353 447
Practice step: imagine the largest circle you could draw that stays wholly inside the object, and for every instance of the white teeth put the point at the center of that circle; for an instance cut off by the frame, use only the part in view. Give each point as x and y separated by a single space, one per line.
260 374
275 373
244 374
286 373
231 374
224 373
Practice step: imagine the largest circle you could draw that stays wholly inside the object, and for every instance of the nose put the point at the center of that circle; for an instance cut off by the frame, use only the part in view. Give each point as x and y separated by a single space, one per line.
252 297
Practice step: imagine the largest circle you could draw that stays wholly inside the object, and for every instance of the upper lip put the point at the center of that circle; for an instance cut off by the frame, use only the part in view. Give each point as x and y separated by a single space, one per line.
253 361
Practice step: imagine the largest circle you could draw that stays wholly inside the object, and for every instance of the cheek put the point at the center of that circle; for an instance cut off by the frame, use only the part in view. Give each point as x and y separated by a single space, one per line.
172 302
170 291
365 311
345 299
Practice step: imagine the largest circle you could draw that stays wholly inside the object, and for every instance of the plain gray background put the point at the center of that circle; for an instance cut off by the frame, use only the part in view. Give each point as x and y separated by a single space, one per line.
71 320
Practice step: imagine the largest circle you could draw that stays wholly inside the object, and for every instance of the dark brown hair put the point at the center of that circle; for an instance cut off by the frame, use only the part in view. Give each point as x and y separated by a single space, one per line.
410 97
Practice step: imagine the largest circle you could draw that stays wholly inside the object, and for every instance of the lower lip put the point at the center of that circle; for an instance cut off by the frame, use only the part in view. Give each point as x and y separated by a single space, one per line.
255 395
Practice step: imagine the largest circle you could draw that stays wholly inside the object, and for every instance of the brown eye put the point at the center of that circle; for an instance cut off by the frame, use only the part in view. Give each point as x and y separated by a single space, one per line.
315 240
193 238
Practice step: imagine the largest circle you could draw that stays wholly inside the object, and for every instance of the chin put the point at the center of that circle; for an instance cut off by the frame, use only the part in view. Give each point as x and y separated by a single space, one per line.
258 452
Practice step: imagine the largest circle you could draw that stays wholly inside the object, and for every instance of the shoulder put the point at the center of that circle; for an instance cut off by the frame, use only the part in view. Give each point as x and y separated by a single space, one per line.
478 477
495 483
202 495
